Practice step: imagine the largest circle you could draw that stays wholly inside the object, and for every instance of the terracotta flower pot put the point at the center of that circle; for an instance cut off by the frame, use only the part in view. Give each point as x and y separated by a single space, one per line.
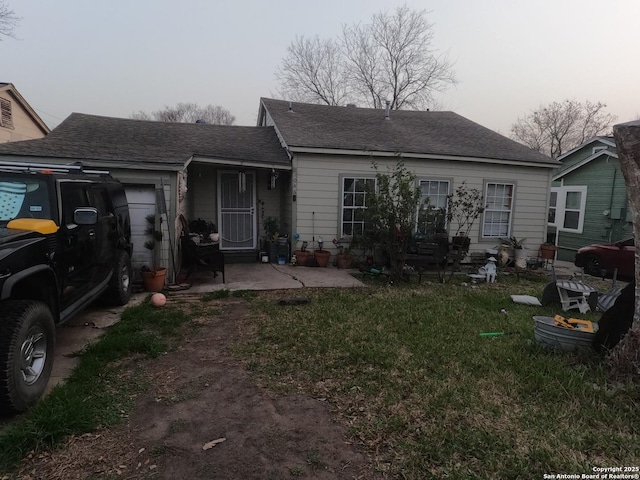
153 280
548 252
322 257
344 260
302 257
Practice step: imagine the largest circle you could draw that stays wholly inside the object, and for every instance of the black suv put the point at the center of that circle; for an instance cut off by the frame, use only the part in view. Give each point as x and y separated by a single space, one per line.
65 240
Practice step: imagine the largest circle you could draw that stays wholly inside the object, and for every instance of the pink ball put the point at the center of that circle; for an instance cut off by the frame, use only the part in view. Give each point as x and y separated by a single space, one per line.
158 300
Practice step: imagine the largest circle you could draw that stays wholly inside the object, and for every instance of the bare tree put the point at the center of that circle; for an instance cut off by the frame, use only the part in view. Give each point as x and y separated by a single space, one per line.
560 126
390 58
8 20
313 71
189 113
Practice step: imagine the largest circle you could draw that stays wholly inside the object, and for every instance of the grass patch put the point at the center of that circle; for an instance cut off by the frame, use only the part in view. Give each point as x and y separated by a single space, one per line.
215 295
97 394
406 369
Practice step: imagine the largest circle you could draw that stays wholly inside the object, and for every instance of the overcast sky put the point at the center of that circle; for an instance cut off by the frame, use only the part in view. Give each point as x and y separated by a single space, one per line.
116 57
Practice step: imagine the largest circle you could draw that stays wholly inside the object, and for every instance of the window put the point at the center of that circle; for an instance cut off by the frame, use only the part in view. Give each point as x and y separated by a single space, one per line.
354 203
22 197
437 192
73 195
6 119
498 207
553 201
566 208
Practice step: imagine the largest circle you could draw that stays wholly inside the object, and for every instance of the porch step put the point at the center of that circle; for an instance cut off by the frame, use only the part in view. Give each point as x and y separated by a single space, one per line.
245 256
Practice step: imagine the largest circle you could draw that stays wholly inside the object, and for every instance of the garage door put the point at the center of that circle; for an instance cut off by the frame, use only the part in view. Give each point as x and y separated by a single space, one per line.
142 202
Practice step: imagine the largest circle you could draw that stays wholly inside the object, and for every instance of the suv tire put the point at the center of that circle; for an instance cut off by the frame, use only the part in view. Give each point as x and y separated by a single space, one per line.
119 291
27 341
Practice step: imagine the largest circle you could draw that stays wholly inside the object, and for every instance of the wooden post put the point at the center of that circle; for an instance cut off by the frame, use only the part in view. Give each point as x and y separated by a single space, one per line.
626 356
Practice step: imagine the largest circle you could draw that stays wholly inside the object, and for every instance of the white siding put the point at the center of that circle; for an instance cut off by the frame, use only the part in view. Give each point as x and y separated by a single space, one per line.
318 190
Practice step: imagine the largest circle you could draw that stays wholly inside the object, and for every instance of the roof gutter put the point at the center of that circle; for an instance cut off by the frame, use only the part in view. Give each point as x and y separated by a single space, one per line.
335 151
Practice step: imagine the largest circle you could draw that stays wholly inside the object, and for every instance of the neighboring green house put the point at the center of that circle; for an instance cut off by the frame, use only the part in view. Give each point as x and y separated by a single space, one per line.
588 202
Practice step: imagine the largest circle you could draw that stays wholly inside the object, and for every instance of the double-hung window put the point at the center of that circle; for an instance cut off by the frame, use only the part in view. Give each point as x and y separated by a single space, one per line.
498 210
567 206
354 203
437 192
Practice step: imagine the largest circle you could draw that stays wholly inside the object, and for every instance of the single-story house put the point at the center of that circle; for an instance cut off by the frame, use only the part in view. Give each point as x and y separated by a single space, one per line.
305 166
18 121
332 150
588 202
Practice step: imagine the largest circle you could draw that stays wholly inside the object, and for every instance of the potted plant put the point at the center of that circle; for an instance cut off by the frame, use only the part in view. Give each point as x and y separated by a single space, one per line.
270 225
344 259
302 254
548 251
519 254
463 209
321 256
464 206
153 278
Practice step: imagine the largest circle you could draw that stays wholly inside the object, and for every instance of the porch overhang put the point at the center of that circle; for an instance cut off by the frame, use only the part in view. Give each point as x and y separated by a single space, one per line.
233 162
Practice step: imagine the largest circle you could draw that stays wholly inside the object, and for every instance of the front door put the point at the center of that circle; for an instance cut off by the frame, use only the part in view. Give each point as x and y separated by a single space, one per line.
237 210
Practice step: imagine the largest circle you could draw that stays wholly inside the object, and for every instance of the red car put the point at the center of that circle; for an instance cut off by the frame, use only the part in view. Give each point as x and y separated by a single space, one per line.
609 256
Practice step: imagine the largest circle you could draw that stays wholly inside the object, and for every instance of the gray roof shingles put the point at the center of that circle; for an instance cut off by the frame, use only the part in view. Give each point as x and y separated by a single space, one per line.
82 136
414 132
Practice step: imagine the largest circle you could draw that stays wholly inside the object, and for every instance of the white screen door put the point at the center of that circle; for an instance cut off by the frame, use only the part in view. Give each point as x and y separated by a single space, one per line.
237 204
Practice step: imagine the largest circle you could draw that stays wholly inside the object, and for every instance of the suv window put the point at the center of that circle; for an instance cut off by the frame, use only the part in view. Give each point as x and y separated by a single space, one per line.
73 195
20 198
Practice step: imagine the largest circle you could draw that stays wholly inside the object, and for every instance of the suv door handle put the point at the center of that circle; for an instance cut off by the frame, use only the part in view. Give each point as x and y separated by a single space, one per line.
92 233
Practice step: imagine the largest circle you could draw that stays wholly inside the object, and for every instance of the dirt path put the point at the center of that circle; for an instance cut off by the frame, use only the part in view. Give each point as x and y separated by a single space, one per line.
199 394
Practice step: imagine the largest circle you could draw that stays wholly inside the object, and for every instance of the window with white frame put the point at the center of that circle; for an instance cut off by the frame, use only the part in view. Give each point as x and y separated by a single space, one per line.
496 220
437 192
354 203
568 206
553 202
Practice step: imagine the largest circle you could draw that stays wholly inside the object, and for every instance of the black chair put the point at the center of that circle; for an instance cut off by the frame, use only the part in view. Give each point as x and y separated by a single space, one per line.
200 256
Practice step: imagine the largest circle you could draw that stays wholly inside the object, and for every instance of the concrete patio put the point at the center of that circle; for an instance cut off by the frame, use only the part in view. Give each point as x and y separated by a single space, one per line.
268 276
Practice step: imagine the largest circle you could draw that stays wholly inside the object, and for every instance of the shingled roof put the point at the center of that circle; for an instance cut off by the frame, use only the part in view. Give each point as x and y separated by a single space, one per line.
306 126
93 137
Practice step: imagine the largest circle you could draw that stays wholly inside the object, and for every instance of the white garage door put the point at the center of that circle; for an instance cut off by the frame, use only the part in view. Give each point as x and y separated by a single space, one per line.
142 202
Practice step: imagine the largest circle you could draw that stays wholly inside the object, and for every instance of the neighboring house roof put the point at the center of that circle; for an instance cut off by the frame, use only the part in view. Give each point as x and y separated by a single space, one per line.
304 126
583 162
605 140
82 136
9 88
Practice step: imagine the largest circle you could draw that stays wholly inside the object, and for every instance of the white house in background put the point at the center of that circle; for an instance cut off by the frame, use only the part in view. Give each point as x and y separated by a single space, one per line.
18 121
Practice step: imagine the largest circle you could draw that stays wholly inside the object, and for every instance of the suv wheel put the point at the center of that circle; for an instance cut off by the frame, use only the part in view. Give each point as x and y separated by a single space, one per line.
27 340
119 290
